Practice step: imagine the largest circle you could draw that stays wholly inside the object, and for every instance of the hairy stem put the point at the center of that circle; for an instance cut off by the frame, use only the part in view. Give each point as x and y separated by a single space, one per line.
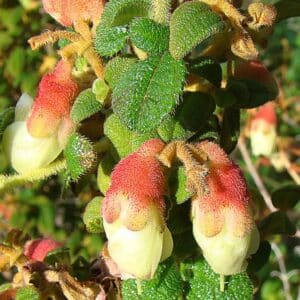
8 182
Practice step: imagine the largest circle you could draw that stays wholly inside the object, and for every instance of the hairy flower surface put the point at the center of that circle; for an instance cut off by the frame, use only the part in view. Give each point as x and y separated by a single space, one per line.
42 127
66 12
223 225
263 130
38 249
133 210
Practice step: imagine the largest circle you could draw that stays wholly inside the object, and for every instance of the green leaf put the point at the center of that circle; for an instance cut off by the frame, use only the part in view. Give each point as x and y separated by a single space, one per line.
260 258
277 223
80 155
111 34
100 89
250 93
193 113
205 284
123 140
286 197
149 36
177 184
85 106
6 118
105 168
191 24
287 9
224 98
148 92
207 68
230 130
115 68
92 216
166 284
5 286
59 256
27 292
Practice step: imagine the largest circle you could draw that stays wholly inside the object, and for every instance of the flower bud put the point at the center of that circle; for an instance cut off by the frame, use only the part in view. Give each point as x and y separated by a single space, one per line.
223 224
66 12
38 249
133 210
263 130
42 128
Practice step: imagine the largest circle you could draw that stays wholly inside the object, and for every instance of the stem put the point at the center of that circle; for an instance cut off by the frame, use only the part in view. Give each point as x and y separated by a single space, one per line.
139 286
8 182
222 283
283 272
258 181
51 37
161 11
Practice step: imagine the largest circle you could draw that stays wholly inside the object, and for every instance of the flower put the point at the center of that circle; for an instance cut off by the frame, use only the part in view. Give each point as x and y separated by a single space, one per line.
66 12
133 209
38 249
223 225
263 130
41 128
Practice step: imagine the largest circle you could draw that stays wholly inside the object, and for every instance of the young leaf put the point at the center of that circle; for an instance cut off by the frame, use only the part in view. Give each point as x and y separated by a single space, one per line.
115 68
149 36
92 216
230 130
191 24
148 92
80 155
178 184
105 168
167 284
112 32
100 89
85 106
277 223
124 141
189 117
286 197
205 284
207 68
287 9
7 116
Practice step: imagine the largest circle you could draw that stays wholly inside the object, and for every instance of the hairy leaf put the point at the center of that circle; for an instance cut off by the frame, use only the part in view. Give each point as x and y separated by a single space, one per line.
112 32
205 284
123 140
191 24
230 130
287 9
166 284
59 256
115 68
277 223
148 92
27 292
286 197
92 216
85 106
80 155
189 117
207 68
105 168
149 36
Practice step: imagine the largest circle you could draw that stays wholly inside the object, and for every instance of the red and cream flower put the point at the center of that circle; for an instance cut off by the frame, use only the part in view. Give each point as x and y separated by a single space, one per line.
223 225
42 127
263 130
133 213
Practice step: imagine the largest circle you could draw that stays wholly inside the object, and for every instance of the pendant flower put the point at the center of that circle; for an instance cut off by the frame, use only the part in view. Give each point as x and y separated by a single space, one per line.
223 225
42 127
133 213
263 130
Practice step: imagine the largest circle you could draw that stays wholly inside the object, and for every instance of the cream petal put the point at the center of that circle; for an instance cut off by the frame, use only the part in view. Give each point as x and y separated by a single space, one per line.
27 153
23 107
